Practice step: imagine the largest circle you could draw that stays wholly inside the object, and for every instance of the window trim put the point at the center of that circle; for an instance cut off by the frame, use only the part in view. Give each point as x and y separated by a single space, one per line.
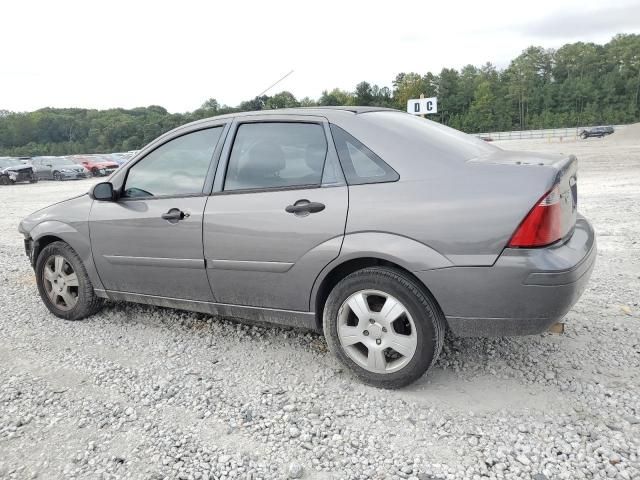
220 181
268 189
348 168
209 176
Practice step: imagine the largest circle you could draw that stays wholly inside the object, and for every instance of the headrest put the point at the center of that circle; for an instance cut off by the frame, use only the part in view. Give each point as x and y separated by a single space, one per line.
265 159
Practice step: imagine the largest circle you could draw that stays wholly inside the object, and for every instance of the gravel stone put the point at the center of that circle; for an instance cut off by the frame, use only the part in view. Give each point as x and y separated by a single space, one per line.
295 470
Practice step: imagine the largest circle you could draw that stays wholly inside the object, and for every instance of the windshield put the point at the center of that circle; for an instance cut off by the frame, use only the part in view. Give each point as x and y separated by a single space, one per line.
61 161
8 163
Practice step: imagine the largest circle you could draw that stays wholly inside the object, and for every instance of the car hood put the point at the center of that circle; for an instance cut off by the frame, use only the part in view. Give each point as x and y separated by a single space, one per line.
15 168
66 211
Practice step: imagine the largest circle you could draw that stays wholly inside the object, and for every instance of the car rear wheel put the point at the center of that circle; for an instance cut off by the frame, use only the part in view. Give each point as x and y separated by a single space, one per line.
57 176
4 180
384 326
63 283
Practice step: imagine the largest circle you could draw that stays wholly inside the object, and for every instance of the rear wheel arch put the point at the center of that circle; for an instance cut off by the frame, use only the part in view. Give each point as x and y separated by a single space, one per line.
339 272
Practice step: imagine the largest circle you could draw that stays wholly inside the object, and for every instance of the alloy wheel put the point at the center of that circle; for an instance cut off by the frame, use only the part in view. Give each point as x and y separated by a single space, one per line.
376 331
60 282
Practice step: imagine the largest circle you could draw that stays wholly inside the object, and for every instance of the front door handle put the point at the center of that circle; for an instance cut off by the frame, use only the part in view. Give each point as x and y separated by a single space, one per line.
305 207
175 215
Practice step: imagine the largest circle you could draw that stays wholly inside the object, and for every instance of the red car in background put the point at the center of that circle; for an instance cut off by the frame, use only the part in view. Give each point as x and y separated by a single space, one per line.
98 166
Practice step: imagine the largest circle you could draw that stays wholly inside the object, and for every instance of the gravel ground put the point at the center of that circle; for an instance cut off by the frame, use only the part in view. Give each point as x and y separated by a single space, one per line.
142 392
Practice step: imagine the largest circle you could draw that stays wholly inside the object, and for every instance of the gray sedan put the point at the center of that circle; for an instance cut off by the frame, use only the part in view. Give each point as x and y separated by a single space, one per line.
58 168
379 228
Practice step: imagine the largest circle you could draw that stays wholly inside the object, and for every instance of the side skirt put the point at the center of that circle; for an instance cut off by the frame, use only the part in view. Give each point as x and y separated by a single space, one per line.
289 318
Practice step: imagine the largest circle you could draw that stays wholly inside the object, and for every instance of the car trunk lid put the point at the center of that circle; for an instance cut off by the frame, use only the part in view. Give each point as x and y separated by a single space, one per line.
559 195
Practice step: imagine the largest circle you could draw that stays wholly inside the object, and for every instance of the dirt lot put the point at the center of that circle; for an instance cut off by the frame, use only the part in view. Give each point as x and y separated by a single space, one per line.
141 392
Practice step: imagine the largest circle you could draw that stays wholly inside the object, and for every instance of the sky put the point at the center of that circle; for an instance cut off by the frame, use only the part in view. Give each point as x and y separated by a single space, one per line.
104 54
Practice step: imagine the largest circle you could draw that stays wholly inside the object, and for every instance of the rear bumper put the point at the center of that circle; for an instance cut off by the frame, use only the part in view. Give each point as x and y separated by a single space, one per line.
523 293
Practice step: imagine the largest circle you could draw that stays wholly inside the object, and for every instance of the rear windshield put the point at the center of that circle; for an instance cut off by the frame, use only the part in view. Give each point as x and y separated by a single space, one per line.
436 138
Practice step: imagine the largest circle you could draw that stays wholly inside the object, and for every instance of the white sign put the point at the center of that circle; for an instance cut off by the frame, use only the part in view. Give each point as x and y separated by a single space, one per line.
422 106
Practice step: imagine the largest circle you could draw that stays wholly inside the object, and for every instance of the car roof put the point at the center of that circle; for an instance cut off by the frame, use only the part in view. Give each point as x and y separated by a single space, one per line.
327 111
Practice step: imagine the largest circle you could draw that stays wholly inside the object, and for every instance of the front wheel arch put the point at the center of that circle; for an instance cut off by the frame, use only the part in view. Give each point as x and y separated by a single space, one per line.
40 244
86 301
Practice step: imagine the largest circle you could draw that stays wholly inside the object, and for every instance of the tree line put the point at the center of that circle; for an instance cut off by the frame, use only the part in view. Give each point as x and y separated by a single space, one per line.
575 85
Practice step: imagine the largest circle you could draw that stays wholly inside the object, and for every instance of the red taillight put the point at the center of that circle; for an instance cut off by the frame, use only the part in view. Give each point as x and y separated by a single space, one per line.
543 224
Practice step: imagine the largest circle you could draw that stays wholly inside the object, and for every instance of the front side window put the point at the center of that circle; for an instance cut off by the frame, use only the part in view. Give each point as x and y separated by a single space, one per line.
359 163
179 167
276 155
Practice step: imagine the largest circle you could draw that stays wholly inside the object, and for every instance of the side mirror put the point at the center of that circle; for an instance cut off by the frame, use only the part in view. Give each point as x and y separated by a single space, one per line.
103 191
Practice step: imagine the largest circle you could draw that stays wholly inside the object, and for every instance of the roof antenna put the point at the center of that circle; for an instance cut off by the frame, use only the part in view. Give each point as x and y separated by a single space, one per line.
270 87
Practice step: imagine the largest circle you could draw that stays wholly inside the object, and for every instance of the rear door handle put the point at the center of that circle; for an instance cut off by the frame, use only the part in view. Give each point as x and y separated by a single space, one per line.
305 207
175 215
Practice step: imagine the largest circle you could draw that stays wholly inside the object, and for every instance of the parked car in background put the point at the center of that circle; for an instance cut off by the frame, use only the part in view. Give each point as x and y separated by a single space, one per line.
98 165
377 227
12 170
596 132
120 158
58 168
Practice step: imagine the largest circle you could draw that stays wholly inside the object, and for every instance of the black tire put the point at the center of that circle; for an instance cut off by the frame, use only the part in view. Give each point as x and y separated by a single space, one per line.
88 302
4 180
428 319
57 176
33 180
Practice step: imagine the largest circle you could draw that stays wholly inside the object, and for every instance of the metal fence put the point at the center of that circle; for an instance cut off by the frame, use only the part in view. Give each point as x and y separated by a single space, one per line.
567 133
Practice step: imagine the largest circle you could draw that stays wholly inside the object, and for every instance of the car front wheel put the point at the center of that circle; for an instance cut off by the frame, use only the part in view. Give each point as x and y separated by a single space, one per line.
384 326
63 283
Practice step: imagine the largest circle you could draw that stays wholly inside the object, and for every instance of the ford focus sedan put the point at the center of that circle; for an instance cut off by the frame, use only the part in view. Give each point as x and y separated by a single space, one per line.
381 229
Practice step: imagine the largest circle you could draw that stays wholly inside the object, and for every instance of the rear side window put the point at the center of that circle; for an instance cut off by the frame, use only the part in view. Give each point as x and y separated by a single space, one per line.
179 167
276 155
360 164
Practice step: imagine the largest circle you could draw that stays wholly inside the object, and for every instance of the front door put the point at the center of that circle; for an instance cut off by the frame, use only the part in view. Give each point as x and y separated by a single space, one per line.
149 241
277 215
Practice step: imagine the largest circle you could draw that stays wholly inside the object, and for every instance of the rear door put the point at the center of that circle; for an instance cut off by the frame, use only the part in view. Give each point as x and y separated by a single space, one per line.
149 241
277 214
